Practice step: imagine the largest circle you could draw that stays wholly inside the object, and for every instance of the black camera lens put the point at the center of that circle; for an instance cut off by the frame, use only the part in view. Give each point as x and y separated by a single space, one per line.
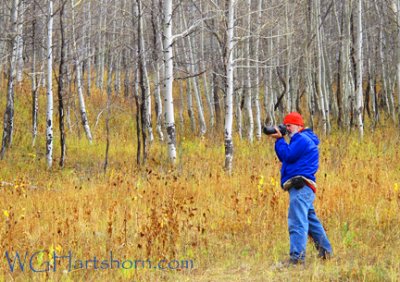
268 130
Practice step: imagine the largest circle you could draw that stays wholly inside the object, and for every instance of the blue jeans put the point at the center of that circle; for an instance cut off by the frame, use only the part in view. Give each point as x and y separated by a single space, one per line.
302 221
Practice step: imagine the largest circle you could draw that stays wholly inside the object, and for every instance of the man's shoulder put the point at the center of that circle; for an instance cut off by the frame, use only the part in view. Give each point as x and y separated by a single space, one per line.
309 136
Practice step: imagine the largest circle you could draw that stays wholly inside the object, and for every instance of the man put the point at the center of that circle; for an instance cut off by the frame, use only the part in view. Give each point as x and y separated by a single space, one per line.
299 164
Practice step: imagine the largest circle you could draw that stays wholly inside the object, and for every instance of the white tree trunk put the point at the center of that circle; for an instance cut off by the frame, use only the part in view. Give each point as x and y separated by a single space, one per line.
20 43
34 86
49 112
248 80
346 65
101 45
319 66
206 86
288 37
78 67
89 49
359 69
169 79
257 76
194 80
229 87
269 94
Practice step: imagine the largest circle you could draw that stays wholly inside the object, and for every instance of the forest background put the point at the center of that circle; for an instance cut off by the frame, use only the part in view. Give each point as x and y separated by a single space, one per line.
136 127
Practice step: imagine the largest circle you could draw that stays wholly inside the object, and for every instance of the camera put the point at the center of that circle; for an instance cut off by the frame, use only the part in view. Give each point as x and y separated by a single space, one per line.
268 130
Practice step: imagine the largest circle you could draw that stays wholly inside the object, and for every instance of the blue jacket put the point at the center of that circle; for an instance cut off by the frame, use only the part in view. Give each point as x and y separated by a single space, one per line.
300 156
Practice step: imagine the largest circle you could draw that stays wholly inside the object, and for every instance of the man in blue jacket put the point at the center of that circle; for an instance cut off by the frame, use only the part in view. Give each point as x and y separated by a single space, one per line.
299 164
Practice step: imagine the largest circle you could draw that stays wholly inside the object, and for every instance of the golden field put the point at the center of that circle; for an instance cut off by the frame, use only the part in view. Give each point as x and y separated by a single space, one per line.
230 227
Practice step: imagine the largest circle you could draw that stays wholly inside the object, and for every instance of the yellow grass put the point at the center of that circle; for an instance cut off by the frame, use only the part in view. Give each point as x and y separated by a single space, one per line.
232 228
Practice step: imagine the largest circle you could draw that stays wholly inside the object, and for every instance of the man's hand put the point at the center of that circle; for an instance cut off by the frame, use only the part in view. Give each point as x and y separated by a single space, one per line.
276 135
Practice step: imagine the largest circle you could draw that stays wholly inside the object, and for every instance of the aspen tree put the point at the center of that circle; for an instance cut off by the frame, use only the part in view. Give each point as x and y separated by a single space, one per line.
89 48
20 40
143 86
382 57
206 86
101 45
248 78
257 73
157 45
396 4
61 85
194 79
320 71
78 67
49 112
229 85
169 79
359 69
34 79
8 124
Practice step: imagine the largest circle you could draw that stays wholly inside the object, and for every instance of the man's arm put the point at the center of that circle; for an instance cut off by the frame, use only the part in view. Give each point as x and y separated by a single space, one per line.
290 153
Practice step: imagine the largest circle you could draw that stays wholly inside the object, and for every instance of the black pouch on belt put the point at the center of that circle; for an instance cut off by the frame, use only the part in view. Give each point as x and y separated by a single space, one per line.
297 182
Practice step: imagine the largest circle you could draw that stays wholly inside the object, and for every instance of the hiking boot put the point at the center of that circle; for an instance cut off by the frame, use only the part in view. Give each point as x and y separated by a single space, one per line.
290 263
324 254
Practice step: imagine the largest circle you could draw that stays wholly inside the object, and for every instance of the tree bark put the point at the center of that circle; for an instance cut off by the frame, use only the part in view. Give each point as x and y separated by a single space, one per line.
359 70
78 67
49 113
8 124
229 86
61 85
169 79
35 88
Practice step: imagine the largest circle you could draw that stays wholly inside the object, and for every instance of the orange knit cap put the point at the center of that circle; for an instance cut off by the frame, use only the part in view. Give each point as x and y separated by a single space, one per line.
294 118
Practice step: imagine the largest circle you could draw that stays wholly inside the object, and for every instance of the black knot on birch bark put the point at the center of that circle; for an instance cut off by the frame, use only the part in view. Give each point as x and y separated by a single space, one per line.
171 133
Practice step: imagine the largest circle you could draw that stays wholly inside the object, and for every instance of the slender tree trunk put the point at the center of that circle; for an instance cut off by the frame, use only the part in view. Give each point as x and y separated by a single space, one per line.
359 70
257 75
137 119
346 73
229 87
215 98
181 106
319 67
157 78
288 93
89 49
35 103
190 104
110 73
61 85
20 42
205 82
269 99
339 74
214 82
144 91
101 45
397 5
78 67
169 79
248 81
384 75
325 81
49 115
8 125
194 80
